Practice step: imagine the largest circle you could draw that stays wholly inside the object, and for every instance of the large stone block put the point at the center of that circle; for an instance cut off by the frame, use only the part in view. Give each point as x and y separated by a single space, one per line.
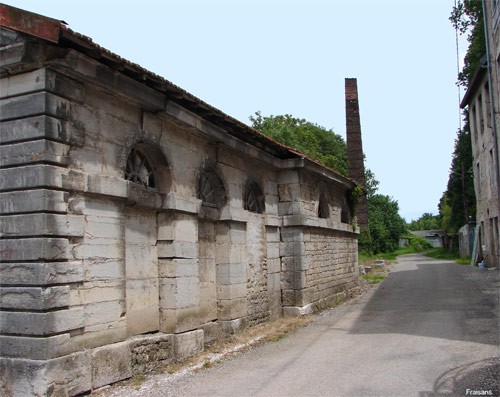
181 203
97 269
33 152
177 249
111 364
34 348
31 176
101 334
288 176
141 261
34 298
142 298
232 309
26 323
99 248
152 126
231 273
179 320
180 292
41 80
42 225
41 273
273 265
212 331
188 344
35 249
273 282
165 227
178 267
231 253
291 297
231 291
98 291
185 228
23 83
143 197
292 248
234 212
294 279
33 200
35 104
39 127
65 376
273 250
108 185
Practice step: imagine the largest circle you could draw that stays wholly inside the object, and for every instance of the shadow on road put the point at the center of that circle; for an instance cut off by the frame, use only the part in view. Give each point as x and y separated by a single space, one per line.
433 298
480 376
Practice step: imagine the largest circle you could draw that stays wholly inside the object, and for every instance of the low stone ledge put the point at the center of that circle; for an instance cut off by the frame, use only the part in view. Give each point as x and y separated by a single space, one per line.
65 376
296 311
111 364
180 203
151 352
188 344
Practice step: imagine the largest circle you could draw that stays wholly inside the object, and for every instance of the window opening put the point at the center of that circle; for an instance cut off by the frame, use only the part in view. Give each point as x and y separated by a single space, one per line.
323 208
139 169
253 199
207 193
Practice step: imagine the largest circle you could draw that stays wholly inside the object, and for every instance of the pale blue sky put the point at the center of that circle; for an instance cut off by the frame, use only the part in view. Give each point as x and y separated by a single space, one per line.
291 56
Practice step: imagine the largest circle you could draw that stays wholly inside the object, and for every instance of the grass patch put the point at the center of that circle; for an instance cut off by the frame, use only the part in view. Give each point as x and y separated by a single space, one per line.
388 256
447 255
415 244
373 278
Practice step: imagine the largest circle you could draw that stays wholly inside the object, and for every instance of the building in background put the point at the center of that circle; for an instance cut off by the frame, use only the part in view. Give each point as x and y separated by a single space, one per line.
483 102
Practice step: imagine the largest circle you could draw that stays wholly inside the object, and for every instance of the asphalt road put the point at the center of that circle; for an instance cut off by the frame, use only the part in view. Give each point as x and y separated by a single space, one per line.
429 329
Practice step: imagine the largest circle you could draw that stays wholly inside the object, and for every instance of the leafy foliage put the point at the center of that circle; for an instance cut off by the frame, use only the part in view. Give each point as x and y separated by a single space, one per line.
311 139
385 224
467 18
418 244
427 221
458 204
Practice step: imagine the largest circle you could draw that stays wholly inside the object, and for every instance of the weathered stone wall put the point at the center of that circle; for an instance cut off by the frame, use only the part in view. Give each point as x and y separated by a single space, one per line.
318 252
331 264
104 275
257 291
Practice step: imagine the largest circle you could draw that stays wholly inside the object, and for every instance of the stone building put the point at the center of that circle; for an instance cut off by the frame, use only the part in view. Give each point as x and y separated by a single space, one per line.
483 102
139 222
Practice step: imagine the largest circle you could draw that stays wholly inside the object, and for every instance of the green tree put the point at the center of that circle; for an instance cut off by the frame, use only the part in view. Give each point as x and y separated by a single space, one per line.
427 221
371 183
311 139
460 195
446 213
385 224
467 18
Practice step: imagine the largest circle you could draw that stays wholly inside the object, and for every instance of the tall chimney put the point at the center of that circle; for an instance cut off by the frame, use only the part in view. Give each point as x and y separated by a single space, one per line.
355 157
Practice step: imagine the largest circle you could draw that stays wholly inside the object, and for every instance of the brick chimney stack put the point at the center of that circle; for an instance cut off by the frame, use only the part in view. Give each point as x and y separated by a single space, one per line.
355 157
